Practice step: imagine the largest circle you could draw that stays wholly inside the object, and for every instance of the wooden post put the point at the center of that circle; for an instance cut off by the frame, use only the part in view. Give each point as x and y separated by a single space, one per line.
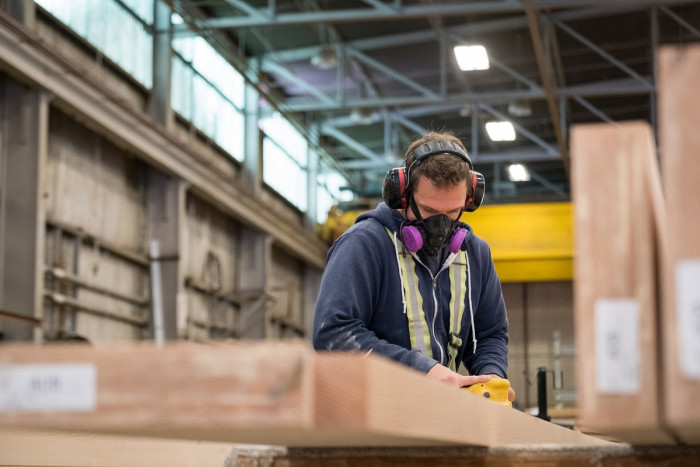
615 288
679 134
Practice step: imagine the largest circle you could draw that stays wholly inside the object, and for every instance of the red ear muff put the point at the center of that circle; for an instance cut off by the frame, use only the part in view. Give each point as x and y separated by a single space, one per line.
396 181
476 196
394 188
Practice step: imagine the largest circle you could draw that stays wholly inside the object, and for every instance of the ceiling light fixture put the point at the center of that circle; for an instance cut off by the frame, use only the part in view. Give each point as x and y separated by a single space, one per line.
325 59
500 131
472 57
518 108
518 173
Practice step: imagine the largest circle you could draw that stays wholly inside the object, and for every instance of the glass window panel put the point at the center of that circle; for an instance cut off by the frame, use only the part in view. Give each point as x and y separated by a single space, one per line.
212 66
113 30
283 133
283 174
330 187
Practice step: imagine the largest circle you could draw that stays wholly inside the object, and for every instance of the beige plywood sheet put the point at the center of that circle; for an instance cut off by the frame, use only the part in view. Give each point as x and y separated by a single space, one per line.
679 134
615 289
275 394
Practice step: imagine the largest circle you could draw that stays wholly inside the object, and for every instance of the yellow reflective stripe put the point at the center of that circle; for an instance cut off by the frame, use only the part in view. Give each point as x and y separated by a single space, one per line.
417 324
459 290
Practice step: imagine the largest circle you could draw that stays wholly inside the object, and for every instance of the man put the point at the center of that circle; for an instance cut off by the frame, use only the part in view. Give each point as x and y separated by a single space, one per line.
409 281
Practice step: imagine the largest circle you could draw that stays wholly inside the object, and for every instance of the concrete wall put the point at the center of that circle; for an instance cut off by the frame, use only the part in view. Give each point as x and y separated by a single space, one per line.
536 311
85 204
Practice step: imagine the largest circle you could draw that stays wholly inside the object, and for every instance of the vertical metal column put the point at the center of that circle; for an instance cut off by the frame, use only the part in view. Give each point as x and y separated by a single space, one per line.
23 138
252 164
312 177
159 102
166 207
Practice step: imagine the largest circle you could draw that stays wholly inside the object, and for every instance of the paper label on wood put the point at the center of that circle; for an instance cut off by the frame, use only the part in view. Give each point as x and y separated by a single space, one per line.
48 388
617 346
688 316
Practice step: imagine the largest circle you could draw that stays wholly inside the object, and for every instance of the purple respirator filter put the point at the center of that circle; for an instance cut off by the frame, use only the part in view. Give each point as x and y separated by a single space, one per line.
414 240
457 240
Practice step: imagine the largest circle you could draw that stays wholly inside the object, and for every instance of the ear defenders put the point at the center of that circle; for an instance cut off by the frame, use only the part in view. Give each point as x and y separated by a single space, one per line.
396 187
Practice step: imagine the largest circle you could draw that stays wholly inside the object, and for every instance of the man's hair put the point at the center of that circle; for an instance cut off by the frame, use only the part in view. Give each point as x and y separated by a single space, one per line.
444 170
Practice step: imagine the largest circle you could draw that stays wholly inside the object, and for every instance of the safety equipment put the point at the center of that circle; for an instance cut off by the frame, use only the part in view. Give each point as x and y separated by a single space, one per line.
418 329
396 189
432 234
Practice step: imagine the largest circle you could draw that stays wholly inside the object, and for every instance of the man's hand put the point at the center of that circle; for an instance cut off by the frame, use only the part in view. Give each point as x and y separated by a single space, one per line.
444 374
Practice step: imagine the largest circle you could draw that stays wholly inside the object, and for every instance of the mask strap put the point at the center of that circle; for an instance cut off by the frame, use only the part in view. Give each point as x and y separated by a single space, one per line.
414 208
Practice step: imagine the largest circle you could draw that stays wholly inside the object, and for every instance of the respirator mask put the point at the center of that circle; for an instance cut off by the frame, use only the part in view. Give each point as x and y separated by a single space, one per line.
432 233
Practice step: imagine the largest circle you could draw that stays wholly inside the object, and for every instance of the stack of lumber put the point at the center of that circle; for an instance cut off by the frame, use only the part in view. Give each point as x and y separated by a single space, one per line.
262 393
637 274
615 290
679 135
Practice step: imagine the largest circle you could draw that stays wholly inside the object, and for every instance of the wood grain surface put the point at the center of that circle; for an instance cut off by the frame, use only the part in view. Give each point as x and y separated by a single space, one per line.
613 167
276 393
679 135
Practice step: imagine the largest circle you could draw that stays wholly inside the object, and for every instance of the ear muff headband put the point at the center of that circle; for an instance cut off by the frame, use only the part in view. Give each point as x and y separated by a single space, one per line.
397 180
433 148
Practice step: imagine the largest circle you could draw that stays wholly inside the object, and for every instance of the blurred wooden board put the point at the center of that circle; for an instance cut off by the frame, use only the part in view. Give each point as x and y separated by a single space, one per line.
31 447
270 393
679 134
615 288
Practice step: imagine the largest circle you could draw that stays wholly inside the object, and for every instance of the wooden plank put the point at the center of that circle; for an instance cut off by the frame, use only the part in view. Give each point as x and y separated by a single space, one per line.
272 393
615 289
679 114
31 447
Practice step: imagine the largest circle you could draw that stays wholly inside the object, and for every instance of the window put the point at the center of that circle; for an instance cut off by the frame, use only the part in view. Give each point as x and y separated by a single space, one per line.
285 160
208 92
116 29
330 188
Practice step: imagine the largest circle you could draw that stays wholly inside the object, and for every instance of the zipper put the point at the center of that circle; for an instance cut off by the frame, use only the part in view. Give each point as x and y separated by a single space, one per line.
435 303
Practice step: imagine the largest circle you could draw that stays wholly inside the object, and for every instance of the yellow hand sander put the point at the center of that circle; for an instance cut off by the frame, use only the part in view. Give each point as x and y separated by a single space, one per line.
495 389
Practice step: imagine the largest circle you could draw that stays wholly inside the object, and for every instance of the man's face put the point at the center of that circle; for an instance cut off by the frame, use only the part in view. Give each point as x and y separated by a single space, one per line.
432 201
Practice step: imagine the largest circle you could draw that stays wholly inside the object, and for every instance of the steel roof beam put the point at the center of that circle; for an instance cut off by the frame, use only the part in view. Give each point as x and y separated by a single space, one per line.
601 89
544 64
391 73
350 142
603 53
594 110
263 18
521 129
269 16
547 184
680 21
527 154
411 125
271 66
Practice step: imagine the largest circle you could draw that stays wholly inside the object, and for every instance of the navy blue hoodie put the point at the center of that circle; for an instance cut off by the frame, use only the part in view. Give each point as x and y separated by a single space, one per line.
360 307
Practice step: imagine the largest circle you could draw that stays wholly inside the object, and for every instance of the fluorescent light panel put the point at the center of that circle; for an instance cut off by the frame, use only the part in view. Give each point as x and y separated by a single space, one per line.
500 131
472 57
518 173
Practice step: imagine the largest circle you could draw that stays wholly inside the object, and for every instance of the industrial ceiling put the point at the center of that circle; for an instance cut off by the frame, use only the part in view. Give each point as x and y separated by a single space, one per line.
369 76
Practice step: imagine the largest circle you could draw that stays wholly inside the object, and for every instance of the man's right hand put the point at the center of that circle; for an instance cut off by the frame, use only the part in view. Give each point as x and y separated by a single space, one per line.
444 374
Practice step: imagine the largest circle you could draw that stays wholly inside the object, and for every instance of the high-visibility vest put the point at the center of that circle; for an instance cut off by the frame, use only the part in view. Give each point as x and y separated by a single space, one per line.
419 330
